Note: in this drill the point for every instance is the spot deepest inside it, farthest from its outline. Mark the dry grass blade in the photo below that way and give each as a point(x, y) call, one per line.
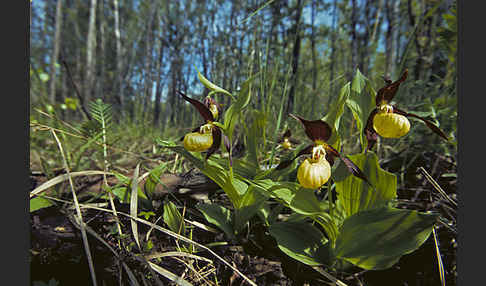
point(439, 259)
point(78, 212)
point(436, 186)
point(169, 275)
point(134, 204)
point(130, 274)
point(329, 276)
point(177, 253)
point(173, 234)
point(147, 236)
point(202, 226)
point(61, 178)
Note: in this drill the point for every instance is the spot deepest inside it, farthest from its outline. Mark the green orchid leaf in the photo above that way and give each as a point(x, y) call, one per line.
point(361, 103)
point(173, 218)
point(38, 203)
point(333, 117)
point(219, 216)
point(355, 195)
point(234, 188)
point(305, 202)
point(153, 180)
point(255, 137)
point(234, 110)
point(301, 241)
point(376, 239)
point(250, 204)
point(211, 86)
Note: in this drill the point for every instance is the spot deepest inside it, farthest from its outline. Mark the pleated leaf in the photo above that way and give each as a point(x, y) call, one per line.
point(301, 241)
point(376, 239)
point(356, 195)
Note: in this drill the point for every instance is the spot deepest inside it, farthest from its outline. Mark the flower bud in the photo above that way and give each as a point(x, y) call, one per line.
point(312, 174)
point(391, 125)
point(286, 144)
point(198, 142)
point(214, 110)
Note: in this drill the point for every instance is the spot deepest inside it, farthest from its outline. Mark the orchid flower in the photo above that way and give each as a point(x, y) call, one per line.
point(316, 170)
point(206, 136)
point(387, 120)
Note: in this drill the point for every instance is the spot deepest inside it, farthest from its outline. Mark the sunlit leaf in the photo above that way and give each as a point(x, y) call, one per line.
point(234, 110)
point(361, 102)
point(211, 86)
point(38, 203)
point(173, 218)
point(333, 116)
point(356, 195)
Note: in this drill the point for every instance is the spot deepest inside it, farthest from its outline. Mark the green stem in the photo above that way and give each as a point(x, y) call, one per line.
point(329, 198)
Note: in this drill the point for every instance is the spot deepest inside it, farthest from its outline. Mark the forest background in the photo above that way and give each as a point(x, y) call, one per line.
point(136, 55)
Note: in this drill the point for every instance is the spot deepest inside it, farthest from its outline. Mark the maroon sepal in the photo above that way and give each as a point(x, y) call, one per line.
point(355, 170)
point(203, 110)
point(370, 133)
point(387, 92)
point(216, 132)
point(285, 164)
point(429, 124)
point(287, 134)
point(315, 129)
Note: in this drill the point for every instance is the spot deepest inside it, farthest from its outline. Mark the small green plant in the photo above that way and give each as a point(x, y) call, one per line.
point(360, 226)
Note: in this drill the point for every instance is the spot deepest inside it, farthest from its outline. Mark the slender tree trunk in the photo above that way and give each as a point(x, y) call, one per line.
point(101, 77)
point(419, 49)
point(354, 39)
point(118, 90)
point(90, 53)
point(148, 82)
point(295, 59)
point(334, 35)
point(55, 53)
point(314, 57)
point(159, 80)
point(391, 8)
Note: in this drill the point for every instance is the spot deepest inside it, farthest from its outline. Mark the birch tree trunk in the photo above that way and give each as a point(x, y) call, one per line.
point(90, 53)
point(118, 90)
point(295, 58)
point(391, 9)
point(55, 53)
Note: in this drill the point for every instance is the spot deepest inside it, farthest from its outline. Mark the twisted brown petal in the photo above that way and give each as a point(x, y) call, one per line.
point(429, 124)
point(355, 170)
point(285, 164)
point(370, 133)
point(387, 92)
point(315, 129)
point(216, 132)
point(203, 110)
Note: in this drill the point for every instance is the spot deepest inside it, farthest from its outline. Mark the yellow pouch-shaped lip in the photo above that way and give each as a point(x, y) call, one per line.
point(198, 142)
point(391, 125)
point(313, 174)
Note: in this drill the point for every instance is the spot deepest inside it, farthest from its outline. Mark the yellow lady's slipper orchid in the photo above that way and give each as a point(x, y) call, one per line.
point(390, 125)
point(207, 136)
point(387, 120)
point(312, 174)
point(316, 170)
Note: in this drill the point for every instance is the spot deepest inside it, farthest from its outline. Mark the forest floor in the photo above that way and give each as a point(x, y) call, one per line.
point(57, 250)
